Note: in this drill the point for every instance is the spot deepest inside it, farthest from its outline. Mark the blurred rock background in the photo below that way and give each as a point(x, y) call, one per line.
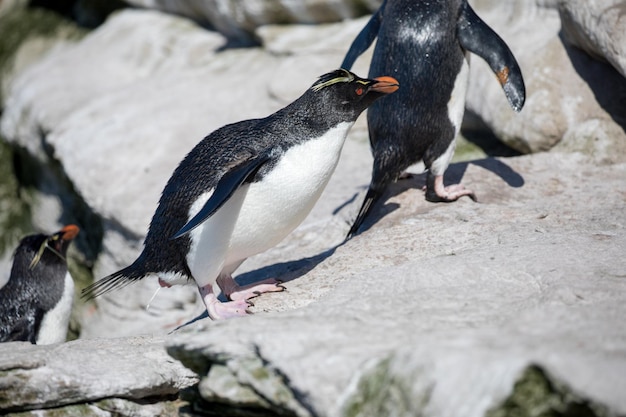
point(100, 101)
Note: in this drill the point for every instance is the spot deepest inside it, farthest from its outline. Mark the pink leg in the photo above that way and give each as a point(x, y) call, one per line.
point(218, 310)
point(436, 191)
point(234, 291)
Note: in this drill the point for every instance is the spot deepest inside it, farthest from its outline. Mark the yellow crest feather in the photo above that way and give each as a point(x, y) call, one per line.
point(345, 78)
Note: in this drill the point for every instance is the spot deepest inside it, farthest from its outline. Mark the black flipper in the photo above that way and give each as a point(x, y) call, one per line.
point(225, 188)
point(371, 198)
point(477, 37)
point(364, 39)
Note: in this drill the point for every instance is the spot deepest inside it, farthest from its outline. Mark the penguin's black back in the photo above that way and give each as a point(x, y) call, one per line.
point(417, 44)
point(30, 292)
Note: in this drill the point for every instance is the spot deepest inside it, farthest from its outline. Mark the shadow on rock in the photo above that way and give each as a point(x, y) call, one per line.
point(453, 175)
point(606, 83)
point(283, 271)
point(502, 170)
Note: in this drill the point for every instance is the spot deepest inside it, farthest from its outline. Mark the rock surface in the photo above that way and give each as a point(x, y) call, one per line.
point(449, 304)
point(132, 375)
point(238, 20)
point(427, 304)
point(566, 89)
point(597, 27)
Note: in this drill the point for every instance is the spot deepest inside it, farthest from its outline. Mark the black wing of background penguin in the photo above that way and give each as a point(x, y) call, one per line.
point(424, 45)
point(244, 188)
point(36, 301)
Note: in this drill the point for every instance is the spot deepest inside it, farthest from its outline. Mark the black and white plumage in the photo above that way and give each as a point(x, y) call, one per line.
point(245, 187)
point(424, 45)
point(36, 301)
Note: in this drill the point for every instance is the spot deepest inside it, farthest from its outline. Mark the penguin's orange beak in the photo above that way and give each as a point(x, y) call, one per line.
point(385, 85)
point(69, 232)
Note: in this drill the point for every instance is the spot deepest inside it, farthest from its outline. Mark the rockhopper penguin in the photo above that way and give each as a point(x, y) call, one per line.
point(424, 45)
point(243, 189)
point(36, 302)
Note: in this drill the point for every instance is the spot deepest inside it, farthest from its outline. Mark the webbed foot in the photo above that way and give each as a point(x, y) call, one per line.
point(436, 192)
point(218, 310)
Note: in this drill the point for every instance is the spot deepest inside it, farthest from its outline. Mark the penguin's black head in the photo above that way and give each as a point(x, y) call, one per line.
point(50, 246)
point(348, 93)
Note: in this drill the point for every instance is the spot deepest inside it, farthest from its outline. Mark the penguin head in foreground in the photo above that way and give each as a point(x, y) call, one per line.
point(49, 248)
point(349, 94)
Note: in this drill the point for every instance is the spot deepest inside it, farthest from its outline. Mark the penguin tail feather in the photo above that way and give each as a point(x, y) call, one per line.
point(115, 281)
point(371, 198)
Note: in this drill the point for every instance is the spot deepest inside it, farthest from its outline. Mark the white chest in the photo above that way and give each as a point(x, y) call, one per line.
point(258, 216)
point(276, 205)
point(53, 327)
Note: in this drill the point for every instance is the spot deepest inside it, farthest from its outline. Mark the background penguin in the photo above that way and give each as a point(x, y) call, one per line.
point(36, 302)
point(245, 187)
point(423, 44)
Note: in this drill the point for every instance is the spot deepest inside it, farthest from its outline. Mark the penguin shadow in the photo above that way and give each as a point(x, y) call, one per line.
point(453, 175)
point(286, 271)
point(282, 271)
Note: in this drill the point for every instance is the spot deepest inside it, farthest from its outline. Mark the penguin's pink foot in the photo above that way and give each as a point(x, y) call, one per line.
point(234, 291)
point(218, 310)
point(228, 310)
point(439, 193)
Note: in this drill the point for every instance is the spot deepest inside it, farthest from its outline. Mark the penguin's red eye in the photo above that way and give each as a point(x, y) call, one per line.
point(359, 91)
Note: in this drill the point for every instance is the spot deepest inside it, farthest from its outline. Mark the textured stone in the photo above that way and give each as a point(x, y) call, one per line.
point(454, 308)
point(84, 371)
point(427, 303)
point(238, 20)
point(566, 88)
point(597, 27)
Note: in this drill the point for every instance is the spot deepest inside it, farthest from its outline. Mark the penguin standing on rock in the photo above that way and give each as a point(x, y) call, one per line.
point(36, 302)
point(424, 45)
point(243, 189)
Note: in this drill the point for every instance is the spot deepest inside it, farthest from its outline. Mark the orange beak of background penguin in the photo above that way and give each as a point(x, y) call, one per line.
point(69, 232)
point(385, 85)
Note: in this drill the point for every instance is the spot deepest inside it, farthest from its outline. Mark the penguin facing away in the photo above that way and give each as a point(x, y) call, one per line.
point(244, 188)
point(36, 302)
point(425, 45)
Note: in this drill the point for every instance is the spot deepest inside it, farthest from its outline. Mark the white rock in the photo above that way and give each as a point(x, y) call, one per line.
point(565, 88)
point(530, 274)
point(84, 371)
point(237, 20)
point(461, 299)
point(596, 26)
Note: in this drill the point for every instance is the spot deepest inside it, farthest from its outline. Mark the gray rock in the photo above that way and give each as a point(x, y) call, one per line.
point(449, 314)
point(596, 27)
point(567, 91)
point(123, 372)
point(238, 20)
point(428, 303)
